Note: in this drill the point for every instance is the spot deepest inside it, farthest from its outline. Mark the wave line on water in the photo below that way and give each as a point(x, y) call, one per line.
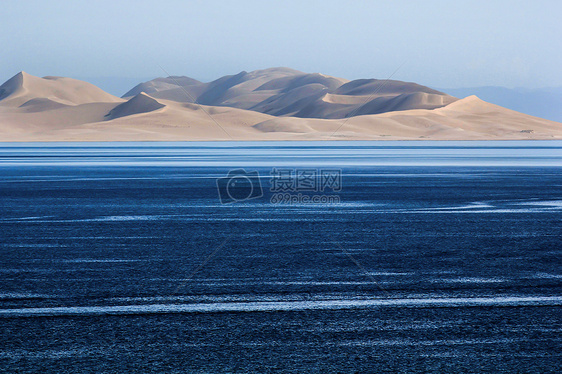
point(513, 301)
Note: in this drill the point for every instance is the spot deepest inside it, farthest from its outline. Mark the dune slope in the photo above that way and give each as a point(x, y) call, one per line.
point(141, 103)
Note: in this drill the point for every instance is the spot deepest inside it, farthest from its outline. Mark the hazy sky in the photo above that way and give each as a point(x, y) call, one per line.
point(443, 43)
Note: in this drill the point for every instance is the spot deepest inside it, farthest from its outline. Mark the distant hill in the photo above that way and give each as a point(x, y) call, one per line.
point(288, 92)
point(542, 102)
point(161, 84)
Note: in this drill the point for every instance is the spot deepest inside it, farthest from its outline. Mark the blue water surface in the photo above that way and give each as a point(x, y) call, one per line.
point(435, 257)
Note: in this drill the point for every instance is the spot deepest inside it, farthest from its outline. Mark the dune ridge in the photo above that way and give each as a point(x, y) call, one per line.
point(268, 104)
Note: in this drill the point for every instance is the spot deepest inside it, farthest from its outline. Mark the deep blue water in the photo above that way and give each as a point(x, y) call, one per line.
point(439, 257)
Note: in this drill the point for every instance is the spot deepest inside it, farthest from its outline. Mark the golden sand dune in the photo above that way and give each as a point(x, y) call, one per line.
point(285, 105)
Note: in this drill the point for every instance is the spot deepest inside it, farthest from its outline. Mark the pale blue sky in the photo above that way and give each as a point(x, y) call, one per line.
point(445, 43)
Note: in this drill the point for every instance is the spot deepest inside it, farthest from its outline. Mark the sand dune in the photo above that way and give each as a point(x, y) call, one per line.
point(364, 87)
point(276, 104)
point(141, 103)
point(287, 92)
point(185, 89)
point(162, 84)
point(24, 90)
point(253, 90)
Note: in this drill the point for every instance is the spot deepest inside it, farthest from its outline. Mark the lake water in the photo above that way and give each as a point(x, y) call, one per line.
point(419, 257)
